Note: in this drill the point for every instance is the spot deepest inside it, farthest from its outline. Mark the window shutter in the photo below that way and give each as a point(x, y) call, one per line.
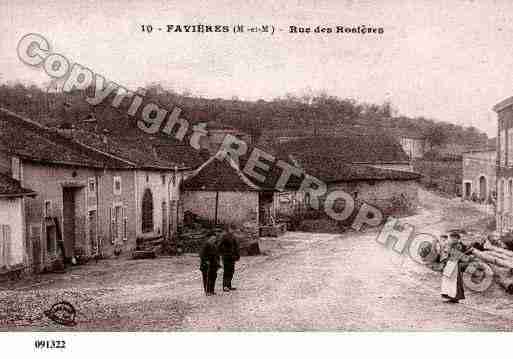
point(7, 236)
point(110, 224)
point(2, 247)
point(124, 224)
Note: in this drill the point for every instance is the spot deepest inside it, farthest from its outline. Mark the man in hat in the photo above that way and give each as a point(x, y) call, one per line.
point(209, 264)
point(230, 252)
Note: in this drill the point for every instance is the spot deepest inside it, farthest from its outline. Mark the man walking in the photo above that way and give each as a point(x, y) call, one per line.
point(229, 250)
point(209, 264)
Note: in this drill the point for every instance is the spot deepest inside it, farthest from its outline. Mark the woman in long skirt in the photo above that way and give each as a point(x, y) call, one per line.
point(452, 280)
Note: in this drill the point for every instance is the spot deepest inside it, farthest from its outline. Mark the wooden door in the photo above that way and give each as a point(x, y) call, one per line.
point(92, 232)
point(68, 220)
point(164, 219)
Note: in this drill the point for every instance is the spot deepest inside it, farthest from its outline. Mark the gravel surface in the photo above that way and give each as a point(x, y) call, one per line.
point(306, 281)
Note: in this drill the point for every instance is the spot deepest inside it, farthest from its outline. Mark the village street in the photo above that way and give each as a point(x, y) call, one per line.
point(305, 282)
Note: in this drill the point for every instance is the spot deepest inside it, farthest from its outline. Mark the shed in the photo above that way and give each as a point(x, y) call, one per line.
point(220, 192)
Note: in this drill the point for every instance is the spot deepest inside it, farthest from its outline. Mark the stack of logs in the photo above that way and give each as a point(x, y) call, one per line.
point(500, 261)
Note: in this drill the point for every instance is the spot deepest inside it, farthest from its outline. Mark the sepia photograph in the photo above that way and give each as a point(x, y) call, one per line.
point(188, 167)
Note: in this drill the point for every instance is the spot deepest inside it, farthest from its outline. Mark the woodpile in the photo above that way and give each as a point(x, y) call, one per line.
point(148, 247)
point(501, 262)
point(248, 236)
point(196, 231)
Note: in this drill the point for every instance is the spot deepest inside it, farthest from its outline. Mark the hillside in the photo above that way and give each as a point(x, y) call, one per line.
point(283, 117)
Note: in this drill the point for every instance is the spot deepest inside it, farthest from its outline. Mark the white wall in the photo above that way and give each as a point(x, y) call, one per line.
point(233, 207)
point(160, 191)
point(11, 214)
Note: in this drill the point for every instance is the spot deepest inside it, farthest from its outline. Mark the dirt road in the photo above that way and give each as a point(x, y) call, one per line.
point(307, 282)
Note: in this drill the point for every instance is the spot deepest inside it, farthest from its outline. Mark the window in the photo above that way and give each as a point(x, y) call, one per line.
point(307, 200)
point(51, 239)
point(510, 147)
point(5, 246)
point(92, 186)
point(147, 211)
point(16, 168)
point(502, 149)
point(117, 186)
point(510, 196)
point(48, 209)
point(118, 227)
point(501, 196)
point(163, 179)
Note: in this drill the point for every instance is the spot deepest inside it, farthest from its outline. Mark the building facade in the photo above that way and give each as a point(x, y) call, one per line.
point(12, 225)
point(479, 175)
point(94, 197)
point(504, 163)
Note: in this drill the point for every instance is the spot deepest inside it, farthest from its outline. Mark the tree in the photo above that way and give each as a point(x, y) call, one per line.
point(437, 135)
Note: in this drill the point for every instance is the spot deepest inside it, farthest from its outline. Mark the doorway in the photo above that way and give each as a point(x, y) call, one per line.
point(482, 188)
point(164, 220)
point(468, 190)
point(69, 220)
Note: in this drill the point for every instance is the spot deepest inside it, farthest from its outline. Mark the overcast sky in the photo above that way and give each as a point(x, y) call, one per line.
point(450, 60)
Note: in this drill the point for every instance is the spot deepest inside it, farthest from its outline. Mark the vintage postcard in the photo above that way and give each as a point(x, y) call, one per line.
point(255, 166)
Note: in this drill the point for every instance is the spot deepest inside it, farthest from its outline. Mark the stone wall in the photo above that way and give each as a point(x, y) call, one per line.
point(233, 207)
point(386, 195)
point(479, 167)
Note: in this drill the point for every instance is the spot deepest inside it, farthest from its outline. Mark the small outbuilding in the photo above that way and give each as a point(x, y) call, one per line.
point(12, 225)
point(221, 193)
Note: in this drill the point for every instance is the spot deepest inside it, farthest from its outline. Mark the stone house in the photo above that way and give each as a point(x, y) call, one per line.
point(12, 224)
point(373, 169)
point(384, 188)
point(95, 193)
point(504, 163)
point(415, 146)
point(376, 150)
point(479, 174)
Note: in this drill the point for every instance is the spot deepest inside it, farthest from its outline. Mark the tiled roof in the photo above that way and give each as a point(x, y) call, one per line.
point(28, 140)
point(181, 155)
point(224, 175)
point(10, 187)
point(330, 169)
point(363, 149)
point(219, 174)
point(145, 151)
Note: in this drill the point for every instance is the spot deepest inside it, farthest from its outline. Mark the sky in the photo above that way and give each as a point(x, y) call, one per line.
point(447, 60)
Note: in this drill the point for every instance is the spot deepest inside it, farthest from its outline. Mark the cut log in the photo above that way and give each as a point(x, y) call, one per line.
point(499, 270)
point(503, 251)
point(490, 259)
point(144, 255)
point(505, 282)
point(499, 255)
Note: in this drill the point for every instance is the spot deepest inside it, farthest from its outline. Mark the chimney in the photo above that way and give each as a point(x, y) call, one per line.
point(66, 130)
point(104, 136)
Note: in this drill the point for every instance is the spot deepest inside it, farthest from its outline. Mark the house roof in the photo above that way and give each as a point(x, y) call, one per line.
point(218, 125)
point(182, 155)
point(503, 104)
point(30, 140)
point(479, 150)
point(361, 149)
point(330, 169)
point(144, 151)
point(219, 173)
point(10, 187)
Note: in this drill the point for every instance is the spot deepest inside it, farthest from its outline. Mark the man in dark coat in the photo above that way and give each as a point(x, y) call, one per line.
point(209, 264)
point(230, 252)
